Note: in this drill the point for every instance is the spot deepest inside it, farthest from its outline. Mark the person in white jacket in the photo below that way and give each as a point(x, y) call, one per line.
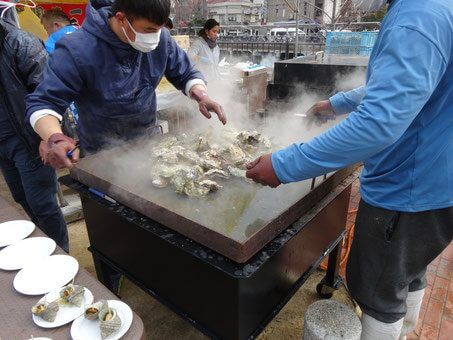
point(205, 52)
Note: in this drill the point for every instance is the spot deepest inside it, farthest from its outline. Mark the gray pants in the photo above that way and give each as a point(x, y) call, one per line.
point(389, 256)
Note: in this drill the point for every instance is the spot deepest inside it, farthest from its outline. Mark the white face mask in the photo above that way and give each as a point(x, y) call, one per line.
point(144, 42)
point(368, 5)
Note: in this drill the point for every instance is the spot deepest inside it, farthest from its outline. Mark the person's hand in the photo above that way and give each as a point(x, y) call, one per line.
point(262, 171)
point(322, 110)
point(56, 151)
point(206, 105)
point(43, 150)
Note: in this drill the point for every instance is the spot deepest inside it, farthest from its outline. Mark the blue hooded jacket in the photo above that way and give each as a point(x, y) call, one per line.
point(401, 123)
point(112, 84)
point(54, 37)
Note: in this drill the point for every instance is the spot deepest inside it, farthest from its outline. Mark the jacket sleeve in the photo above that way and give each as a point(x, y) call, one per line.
point(180, 71)
point(30, 59)
point(194, 49)
point(406, 70)
point(346, 102)
point(61, 83)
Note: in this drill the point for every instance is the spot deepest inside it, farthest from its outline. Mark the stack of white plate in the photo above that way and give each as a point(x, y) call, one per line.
point(40, 273)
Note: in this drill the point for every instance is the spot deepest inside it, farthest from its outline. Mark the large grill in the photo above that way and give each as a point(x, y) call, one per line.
point(227, 262)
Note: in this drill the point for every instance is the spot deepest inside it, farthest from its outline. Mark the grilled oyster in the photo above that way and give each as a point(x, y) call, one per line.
point(253, 138)
point(201, 144)
point(92, 311)
point(249, 137)
point(235, 155)
point(190, 156)
point(164, 171)
point(236, 172)
point(186, 175)
point(167, 143)
point(195, 190)
point(160, 182)
point(217, 173)
point(211, 185)
point(46, 311)
point(73, 294)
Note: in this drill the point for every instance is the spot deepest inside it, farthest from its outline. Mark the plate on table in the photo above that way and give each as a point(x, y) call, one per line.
point(46, 274)
point(18, 254)
point(13, 231)
point(66, 312)
point(84, 329)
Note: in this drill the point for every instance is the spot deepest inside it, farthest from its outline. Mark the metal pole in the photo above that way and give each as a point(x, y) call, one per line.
point(296, 46)
point(334, 9)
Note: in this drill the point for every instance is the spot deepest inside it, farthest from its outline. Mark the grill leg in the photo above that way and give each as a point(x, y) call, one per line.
point(332, 280)
point(107, 275)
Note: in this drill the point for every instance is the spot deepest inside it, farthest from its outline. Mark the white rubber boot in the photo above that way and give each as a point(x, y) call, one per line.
point(413, 302)
point(373, 329)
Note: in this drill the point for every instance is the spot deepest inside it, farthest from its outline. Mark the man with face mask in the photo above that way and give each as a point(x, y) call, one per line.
point(401, 126)
point(110, 68)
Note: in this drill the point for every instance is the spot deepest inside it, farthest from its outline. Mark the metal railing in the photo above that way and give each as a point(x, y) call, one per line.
point(283, 50)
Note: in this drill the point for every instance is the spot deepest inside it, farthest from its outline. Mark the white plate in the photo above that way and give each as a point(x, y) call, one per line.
point(13, 231)
point(17, 255)
point(40, 338)
point(84, 329)
point(66, 313)
point(46, 274)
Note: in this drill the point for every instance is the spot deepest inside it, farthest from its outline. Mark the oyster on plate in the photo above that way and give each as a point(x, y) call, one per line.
point(46, 311)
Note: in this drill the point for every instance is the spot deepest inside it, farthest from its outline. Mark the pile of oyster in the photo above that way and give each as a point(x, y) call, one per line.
point(193, 165)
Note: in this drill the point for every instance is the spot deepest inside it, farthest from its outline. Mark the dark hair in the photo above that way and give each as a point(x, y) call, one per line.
point(156, 11)
point(169, 24)
point(208, 25)
point(56, 14)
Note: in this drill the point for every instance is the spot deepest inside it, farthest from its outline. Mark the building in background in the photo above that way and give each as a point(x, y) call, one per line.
point(235, 12)
point(278, 10)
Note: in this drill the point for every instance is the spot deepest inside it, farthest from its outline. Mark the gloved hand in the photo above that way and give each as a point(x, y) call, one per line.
point(206, 104)
point(55, 151)
point(322, 110)
point(262, 171)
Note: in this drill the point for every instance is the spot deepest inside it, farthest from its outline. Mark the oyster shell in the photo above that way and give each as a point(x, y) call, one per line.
point(73, 294)
point(110, 322)
point(195, 190)
point(190, 156)
point(211, 185)
point(46, 311)
point(92, 311)
point(236, 172)
point(235, 154)
point(167, 143)
point(217, 173)
point(249, 137)
point(160, 182)
point(253, 138)
point(201, 144)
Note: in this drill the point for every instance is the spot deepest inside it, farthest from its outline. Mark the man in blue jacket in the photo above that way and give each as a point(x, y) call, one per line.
point(401, 126)
point(57, 25)
point(110, 68)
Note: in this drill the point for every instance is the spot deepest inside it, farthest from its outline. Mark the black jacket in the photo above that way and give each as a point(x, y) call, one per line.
point(22, 60)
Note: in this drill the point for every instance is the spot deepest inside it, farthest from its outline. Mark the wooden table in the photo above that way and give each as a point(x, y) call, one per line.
point(15, 315)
